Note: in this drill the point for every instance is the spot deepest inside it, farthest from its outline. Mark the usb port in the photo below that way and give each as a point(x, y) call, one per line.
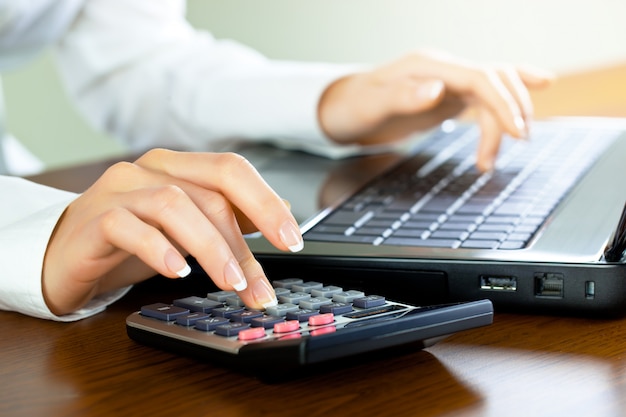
point(491, 283)
point(549, 285)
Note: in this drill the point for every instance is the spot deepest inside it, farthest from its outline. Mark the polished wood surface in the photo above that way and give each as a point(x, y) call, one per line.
point(522, 365)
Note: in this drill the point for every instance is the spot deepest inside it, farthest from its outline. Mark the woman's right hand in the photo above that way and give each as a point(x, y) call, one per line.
point(143, 218)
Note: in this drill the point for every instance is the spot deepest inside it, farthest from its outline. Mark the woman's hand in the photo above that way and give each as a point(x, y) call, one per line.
point(420, 91)
point(142, 218)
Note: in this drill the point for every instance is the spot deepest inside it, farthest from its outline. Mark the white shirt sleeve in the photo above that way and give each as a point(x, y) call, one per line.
point(28, 214)
point(139, 71)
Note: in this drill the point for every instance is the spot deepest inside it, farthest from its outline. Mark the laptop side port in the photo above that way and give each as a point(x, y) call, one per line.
point(549, 285)
point(495, 283)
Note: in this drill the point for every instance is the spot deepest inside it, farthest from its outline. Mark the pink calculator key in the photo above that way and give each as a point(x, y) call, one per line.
point(323, 330)
point(252, 333)
point(321, 319)
point(287, 326)
point(290, 336)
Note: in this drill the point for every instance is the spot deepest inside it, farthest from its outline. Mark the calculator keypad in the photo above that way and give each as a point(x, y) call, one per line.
point(309, 308)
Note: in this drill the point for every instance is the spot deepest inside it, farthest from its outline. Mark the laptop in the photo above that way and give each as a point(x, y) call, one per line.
point(422, 225)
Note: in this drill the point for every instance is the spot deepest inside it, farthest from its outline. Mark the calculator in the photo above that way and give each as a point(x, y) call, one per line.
point(313, 323)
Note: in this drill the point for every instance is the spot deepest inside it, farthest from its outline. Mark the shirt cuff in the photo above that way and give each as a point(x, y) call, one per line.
point(23, 244)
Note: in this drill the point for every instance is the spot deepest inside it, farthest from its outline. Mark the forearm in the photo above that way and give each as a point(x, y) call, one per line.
point(140, 71)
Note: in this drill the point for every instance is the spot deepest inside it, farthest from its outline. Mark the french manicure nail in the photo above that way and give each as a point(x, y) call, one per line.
point(234, 276)
point(176, 263)
point(264, 294)
point(429, 91)
point(520, 124)
point(292, 238)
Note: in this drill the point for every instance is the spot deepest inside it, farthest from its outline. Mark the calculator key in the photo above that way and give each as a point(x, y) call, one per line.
point(294, 297)
point(162, 311)
point(323, 330)
point(235, 300)
point(336, 308)
point(314, 303)
point(348, 296)
point(267, 322)
point(290, 336)
point(286, 283)
point(227, 311)
point(200, 304)
point(321, 319)
point(327, 291)
point(281, 309)
point(301, 314)
point(210, 324)
point(231, 328)
point(252, 333)
point(278, 291)
point(246, 316)
point(306, 286)
point(287, 326)
point(220, 296)
point(369, 301)
point(191, 318)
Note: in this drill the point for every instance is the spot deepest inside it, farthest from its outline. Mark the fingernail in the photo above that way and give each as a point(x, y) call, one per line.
point(429, 90)
point(176, 263)
point(264, 294)
point(520, 124)
point(292, 238)
point(234, 276)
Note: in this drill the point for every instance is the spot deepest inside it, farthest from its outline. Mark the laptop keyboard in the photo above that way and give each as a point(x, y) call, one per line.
point(437, 198)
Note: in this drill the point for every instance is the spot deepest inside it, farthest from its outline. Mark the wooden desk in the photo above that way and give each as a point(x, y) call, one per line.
point(520, 366)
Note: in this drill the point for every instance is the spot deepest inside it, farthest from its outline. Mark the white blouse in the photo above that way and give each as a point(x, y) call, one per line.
point(138, 70)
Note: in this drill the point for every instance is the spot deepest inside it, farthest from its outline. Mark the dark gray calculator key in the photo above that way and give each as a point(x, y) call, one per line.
point(327, 291)
point(246, 316)
point(220, 296)
point(231, 329)
point(208, 325)
point(281, 309)
point(286, 283)
point(336, 308)
point(306, 286)
point(191, 318)
point(301, 314)
point(314, 303)
point(162, 311)
point(200, 304)
point(266, 321)
point(235, 300)
point(294, 297)
point(347, 296)
point(369, 301)
point(226, 311)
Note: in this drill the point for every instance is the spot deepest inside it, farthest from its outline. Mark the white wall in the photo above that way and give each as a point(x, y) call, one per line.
point(559, 35)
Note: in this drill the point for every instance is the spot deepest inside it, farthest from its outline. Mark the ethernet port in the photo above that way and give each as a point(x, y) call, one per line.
point(549, 285)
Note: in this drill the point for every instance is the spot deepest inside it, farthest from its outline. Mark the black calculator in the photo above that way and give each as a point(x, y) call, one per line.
point(313, 323)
